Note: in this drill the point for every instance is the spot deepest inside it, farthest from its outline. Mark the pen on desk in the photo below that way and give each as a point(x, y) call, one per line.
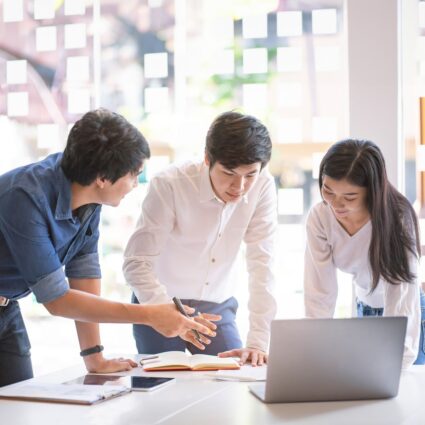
point(180, 308)
point(153, 356)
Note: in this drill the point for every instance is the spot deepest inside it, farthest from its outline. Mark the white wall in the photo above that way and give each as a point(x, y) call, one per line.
point(374, 77)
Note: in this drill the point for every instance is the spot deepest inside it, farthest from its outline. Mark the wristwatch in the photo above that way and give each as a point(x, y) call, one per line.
point(91, 350)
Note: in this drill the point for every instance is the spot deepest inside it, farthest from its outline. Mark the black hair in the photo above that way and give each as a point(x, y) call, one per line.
point(103, 144)
point(234, 139)
point(394, 222)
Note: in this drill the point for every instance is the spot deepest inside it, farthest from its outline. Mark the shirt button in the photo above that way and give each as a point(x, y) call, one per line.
point(213, 260)
point(207, 283)
point(219, 235)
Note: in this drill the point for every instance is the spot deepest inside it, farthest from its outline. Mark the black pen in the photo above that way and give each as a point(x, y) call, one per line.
point(180, 308)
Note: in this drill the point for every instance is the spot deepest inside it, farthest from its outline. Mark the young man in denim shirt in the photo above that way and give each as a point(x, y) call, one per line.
point(49, 231)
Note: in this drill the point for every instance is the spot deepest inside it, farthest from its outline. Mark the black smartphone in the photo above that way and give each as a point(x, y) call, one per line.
point(136, 383)
point(148, 383)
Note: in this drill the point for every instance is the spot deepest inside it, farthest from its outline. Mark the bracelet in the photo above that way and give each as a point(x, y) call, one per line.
point(91, 350)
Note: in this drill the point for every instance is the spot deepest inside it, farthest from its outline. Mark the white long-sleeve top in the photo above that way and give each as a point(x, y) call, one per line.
point(187, 240)
point(330, 247)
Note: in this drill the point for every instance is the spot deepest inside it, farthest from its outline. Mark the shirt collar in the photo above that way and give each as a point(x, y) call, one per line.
point(63, 206)
point(206, 191)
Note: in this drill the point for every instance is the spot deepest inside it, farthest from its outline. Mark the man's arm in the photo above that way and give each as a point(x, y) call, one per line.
point(85, 307)
point(89, 335)
point(155, 224)
point(259, 239)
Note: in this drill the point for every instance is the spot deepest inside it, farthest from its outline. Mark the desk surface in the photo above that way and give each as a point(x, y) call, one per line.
point(197, 399)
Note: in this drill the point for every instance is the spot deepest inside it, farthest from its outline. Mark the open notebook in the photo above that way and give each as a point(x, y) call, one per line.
point(178, 360)
point(60, 393)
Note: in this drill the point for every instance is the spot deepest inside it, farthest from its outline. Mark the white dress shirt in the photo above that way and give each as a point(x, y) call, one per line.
point(187, 241)
point(330, 247)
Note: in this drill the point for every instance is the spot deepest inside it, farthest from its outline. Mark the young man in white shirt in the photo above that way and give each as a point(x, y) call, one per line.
point(194, 219)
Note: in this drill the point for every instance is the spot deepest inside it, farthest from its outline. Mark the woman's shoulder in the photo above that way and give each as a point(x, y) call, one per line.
point(319, 216)
point(319, 211)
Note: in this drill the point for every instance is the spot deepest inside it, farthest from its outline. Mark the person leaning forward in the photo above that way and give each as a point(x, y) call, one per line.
point(49, 231)
point(194, 219)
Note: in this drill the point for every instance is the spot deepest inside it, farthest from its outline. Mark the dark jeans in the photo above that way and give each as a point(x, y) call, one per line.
point(149, 341)
point(15, 356)
point(366, 310)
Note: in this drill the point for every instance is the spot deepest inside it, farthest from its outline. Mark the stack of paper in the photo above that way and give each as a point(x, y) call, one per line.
point(245, 374)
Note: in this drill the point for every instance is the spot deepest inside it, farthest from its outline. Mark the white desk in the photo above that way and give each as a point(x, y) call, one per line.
point(198, 400)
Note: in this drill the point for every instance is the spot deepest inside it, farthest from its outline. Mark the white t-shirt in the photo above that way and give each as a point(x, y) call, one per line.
point(330, 247)
point(187, 241)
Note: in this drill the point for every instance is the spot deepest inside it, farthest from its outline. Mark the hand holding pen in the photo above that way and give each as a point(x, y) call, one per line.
point(193, 336)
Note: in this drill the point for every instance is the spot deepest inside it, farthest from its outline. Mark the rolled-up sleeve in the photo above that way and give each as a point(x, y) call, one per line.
point(27, 235)
point(50, 287)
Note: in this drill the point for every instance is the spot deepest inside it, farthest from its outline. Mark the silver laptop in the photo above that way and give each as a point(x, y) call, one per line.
point(333, 359)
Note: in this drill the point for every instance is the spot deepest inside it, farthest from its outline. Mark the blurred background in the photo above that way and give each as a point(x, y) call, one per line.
point(171, 66)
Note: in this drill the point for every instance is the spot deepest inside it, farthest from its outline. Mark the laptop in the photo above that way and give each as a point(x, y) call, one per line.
point(333, 359)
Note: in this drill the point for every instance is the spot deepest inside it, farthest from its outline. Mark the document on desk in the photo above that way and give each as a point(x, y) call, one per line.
point(246, 373)
point(59, 393)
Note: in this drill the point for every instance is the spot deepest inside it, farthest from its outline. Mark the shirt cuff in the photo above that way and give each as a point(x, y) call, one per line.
point(50, 287)
point(258, 340)
point(84, 267)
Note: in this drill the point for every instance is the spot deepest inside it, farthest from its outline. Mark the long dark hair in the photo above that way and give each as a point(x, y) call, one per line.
point(394, 223)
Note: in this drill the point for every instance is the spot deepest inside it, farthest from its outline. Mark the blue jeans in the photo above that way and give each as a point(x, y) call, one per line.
point(149, 341)
point(15, 357)
point(366, 310)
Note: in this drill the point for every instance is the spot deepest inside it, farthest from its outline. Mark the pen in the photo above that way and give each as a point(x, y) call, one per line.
point(180, 308)
point(153, 356)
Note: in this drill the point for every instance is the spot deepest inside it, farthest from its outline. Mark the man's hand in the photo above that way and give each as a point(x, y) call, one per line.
point(247, 355)
point(168, 321)
point(206, 319)
point(96, 363)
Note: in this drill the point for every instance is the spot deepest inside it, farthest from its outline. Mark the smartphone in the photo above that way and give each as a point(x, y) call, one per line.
point(149, 383)
point(136, 383)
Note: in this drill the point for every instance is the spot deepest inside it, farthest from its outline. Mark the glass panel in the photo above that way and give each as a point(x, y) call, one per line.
point(74, 7)
point(16, 72)
point(255, 61)
point(13, 10)
point(17, 104)
point(156, 65)
point(45, 39)
point(75, 36)
point(289, 24)
point(254, 26)
point(44, 9)
point(324, 21)
point(77, 69)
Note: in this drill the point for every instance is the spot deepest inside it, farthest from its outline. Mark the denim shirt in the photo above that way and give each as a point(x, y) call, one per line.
point(41, 243)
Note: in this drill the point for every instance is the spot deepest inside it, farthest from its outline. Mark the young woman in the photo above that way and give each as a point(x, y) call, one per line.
point(364, 227)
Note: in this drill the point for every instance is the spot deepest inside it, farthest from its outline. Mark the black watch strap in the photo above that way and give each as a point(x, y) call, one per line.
point(91, 350)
